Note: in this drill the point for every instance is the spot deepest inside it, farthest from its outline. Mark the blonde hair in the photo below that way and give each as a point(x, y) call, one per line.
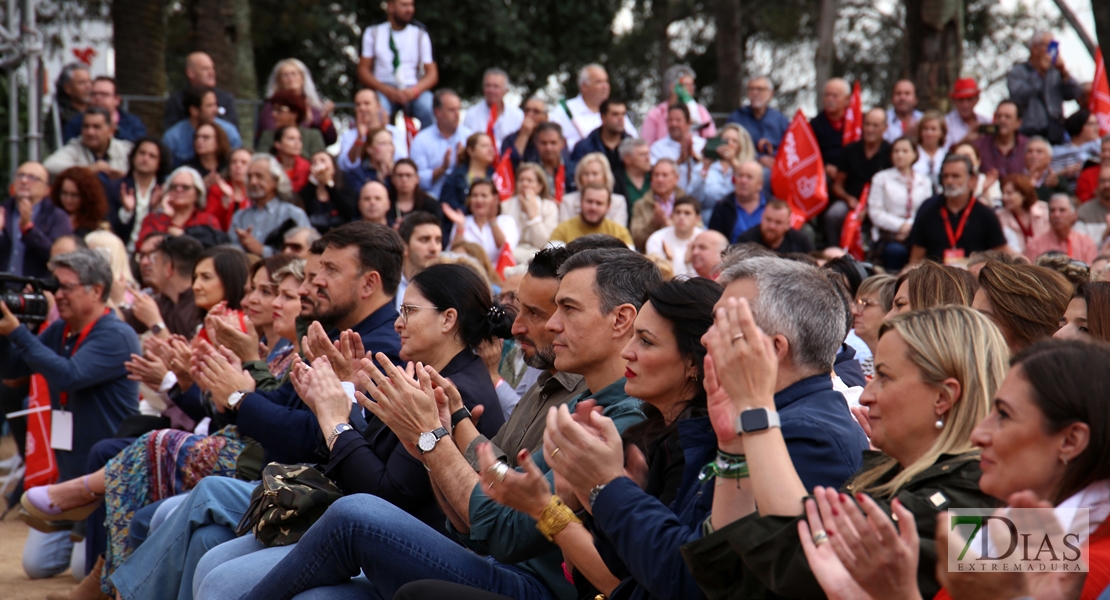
point(747, 147)
point(946, 342)
point(533, 168)
point(606, 169)
point(112, 248)
point(311, 96)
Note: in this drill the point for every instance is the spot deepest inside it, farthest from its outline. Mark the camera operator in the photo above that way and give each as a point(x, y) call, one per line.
point(28, 226)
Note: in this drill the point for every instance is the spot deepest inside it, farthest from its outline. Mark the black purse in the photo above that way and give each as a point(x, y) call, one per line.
point(287, 502)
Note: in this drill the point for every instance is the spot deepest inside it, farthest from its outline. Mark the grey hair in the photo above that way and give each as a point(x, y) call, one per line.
point(294, 268)
point(311, 96)
point(841, 82)
point(1038, 37)
point(584, 73)
point(766, 78)
point(960, 158)
point(672, 75)
point(284, 186)
point(495, 71)
point(1072, 200)
point(1040, 140)
point(815, 327)
point(313, 235)
point(622, 277)
point(630, 144)
point(91, 267)
point(196, 180)
point(66, 74)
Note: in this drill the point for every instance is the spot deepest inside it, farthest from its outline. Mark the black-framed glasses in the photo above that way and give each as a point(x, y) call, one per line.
point(408, 309)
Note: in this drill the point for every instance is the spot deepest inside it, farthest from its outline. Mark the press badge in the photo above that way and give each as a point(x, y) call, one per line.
point(61, 430)
point(955, 257)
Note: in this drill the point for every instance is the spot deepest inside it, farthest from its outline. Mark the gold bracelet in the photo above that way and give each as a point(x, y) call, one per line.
point(555, 518)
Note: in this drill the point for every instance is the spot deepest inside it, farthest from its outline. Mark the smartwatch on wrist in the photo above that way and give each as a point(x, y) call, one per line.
point(755, 420)
point(458, 416)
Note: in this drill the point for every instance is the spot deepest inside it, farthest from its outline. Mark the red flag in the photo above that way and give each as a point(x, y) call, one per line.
point(410, 131)
point(560, 182)
point(41, 466)
point(503, 176)
point(798, 176)
point(1100, 96)
point(490, 124)
point(851, 237)
point(505, 260)
point(853, 119)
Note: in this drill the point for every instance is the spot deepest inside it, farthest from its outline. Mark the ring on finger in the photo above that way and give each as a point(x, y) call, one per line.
point(820, 538)
point(554, 452)
point(500, 469)
point(738, 336)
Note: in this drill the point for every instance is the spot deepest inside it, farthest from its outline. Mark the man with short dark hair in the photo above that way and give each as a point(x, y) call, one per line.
point(1003, 153)
point(607, 138)
point(200, 70)
point(774, 231)
point(593, 219)
point(902, 116)
point(104, 94)
point(201, 104)
point(80, 358)
point(950, 226)
point(679, 145)
point(554, 159)
point(29, 226)
point(520, 143)
point(96, 147)
point(166, 263)
point(435, 150)
point(423, 237)
point(671, 242)
point(394, 54)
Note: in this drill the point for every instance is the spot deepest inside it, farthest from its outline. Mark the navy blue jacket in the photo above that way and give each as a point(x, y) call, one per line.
point(531, 154)
point(100, 395)
point(281, 422)
point(847, 367)
point(376, 462)
point(50, 224)
point(593, 143)
point(112, 189)
point(457, 187)
point(130, 128)
point(825, 445)
point(725, 213)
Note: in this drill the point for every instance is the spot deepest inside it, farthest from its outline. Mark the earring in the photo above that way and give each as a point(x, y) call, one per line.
point(1065, 460)
point(694, 378)
point(940, 423)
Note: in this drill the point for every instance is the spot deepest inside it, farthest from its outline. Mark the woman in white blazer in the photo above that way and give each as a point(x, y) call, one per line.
point(892, 203)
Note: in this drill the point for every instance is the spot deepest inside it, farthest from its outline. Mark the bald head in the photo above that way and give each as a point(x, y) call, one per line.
point(200, 70)
point(373, 202)
point(704, 253)
point(748, 181)
point(874, 125)
point(835, 99)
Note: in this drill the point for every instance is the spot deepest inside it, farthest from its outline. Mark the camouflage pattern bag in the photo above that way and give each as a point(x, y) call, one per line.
point(287, 502)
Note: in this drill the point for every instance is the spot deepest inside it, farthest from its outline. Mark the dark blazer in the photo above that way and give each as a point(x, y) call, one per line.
point(762, 557)
point(341, 207)
point(176, 111)
point(50, 224)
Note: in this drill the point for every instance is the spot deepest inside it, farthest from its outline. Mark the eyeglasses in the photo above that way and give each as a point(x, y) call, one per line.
point(180, 187)
point(141, 256)
point(407, 309)
point(69, 288)
point(293, 247)
point(864, 303)
point(28, 177)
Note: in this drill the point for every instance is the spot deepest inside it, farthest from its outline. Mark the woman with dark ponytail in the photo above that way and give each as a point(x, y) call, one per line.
point(446, 313)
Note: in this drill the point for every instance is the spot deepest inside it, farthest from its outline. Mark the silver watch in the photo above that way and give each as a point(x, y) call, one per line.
point(235, 398)
point(429, 439)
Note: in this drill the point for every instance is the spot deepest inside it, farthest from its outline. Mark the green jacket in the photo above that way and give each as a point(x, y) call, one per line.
point(762, 557)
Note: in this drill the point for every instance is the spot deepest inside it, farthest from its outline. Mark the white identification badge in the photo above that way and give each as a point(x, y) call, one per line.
point(61, 430)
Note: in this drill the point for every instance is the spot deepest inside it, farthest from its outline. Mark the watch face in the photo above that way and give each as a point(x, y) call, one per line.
point(426, 442)
point(753, 420)
point(234, 399)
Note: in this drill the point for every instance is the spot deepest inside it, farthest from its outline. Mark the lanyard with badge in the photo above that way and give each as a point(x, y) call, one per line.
point(61, 421)
point(952, 254)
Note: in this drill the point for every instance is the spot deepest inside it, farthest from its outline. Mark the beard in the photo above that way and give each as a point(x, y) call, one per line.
point(543, 359)
point(592, 223)
point(955, 191)
point(335, 312)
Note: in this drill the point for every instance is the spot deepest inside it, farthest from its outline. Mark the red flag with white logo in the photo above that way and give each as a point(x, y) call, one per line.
point(42, 469)
point(1100, 96)
point(505, 260)
point(798, 176)
point(851, 236)
point(503, 176)
point(853, 119)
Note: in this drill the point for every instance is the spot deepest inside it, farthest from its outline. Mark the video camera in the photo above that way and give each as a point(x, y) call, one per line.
point(29, 307)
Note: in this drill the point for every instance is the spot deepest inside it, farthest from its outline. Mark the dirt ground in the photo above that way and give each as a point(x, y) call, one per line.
point(14, 584)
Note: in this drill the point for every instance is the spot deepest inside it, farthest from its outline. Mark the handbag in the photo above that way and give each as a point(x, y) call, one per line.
point(287, 502)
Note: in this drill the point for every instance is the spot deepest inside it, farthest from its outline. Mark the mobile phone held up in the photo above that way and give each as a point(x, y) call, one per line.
point(1054, 51)
point(988, 129)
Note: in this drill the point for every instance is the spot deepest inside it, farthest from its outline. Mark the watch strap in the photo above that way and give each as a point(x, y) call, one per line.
point(594, 492)
point(458, 416)
point(336, 432)
point(438, 433)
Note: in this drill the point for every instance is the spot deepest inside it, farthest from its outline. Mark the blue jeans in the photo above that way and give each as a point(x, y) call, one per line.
point(46, 554)
point(365, 533)
point(163, 566)
point(421, 108)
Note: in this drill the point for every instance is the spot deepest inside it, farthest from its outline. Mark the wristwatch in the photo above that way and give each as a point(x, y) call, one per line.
point(458, 416)
point(754, 420)
point(429, 439)
point(594, 492)
point(157, 328)
point(235, 398)
point(335, 433)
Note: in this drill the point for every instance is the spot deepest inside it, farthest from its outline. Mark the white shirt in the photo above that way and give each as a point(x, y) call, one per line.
point(585, 121)
point(400, 145)
point(957, 129)
point(477, 119)
point(894, 125)
point(483, 236)
point(888, 204)
point(654, 246)
point(413, 44)
point(929, 166)
point(428, 149)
